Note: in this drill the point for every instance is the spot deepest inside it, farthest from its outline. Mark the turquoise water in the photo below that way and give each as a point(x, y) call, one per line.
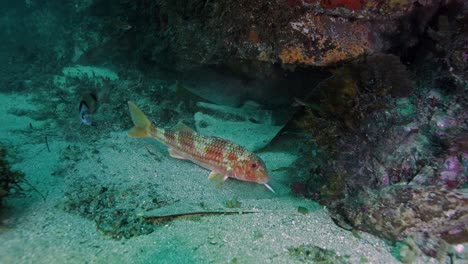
point(367, 158)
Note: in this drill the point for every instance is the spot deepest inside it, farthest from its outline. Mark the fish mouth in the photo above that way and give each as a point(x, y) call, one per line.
point(264, 178)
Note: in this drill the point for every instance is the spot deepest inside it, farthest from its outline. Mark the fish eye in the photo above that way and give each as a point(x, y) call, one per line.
point(254, 165)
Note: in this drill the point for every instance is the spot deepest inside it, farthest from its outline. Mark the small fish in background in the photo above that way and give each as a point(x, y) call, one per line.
point(223, 158)
point(88, 106)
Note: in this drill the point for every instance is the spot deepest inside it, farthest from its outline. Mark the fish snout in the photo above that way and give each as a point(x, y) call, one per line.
point(262, 176)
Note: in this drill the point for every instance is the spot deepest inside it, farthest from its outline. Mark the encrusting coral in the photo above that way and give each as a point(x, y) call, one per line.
point(432, 217)
point(392, 154)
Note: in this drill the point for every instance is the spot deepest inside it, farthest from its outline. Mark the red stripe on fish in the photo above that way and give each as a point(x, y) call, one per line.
point(169, 136)
point(232, 156)
point(214, 153)
point(186, 140)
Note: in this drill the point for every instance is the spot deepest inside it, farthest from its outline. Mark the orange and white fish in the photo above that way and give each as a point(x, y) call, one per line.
point(224, 158)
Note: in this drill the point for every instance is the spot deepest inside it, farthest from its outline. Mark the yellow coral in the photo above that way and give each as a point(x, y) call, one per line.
point(295, 55)
point(333, 56)
point(337, 55)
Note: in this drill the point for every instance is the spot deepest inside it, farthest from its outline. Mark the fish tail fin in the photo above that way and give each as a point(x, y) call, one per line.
point(143, 125)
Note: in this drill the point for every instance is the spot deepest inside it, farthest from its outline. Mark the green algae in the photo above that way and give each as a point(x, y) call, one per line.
point(233, 203)
point(303, 210)
point(314, 254)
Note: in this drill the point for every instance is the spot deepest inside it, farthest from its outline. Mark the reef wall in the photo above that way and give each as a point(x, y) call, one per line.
point(290, 32)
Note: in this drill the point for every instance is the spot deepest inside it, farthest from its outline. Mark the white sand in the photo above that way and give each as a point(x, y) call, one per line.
point(37, 231)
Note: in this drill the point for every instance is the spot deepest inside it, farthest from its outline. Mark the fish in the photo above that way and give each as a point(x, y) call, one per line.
point(225, 159)
point(88, 106)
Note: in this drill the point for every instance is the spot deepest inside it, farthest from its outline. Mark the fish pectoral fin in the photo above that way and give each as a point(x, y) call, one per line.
point(175, 154)
point(230, 173)
point(217, 177)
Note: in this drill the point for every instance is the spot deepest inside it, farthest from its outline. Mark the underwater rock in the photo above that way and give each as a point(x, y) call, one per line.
point(250, 125)
point(250, 111)
point(453, 174)
point(315, 33)
point(372, 137)
point(80, 71)
point(184, 35)
point(449, 35)
point(450, 143)
point(427, 214)
point(415, 246)
point(314, 254)
point(364, 127)
point(414, 147)
point(358, 90)
point(9, 179)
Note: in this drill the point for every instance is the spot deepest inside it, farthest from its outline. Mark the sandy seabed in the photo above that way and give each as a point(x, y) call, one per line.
point(35, 230)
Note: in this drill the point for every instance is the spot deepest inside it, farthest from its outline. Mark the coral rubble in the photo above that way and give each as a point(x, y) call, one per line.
point(100, 205)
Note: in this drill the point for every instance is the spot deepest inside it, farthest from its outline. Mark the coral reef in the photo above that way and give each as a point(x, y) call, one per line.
point(449, 35)
point(396, 212)
point(429, 217)
point(393, 152)
point(353, 94)
point(397, 140)
point(415, 165)
point(313, 33)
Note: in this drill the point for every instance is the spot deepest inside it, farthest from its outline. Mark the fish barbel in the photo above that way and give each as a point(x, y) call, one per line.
point(222, 157)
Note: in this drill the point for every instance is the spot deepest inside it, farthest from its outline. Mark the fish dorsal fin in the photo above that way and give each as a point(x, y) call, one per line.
point(183, 127)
